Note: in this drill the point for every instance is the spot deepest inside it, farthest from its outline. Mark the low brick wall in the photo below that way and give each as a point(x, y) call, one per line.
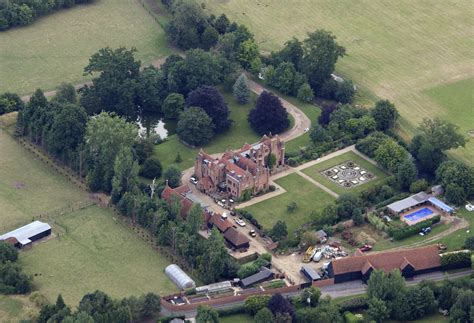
point(322, 283)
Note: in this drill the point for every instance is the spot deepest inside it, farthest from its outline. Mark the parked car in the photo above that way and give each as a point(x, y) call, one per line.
point(224, 216)
point(240, 222)
point(425, 231)
point(193, 180)
point(469, 207)
point(220, 203)
point(365, 248)
point(252, 233)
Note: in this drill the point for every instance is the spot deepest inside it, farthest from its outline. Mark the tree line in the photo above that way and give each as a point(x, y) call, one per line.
point(100, 307)
point(12, 278)
point(15, 13)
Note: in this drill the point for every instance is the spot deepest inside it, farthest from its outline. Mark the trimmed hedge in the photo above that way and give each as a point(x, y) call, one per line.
point(407, 231)
point(354, 304)
point(240, 309)
point(395, 198)
point(456, 260)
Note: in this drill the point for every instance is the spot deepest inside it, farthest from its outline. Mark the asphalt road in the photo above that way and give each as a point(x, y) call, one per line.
point(343, 289)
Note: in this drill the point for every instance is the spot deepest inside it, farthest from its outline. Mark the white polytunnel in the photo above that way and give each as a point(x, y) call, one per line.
point(179, 277)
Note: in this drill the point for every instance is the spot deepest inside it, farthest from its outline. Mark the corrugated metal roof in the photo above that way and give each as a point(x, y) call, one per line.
point(24, 233)
point(408, 202)
point(313, 275)
point(441, 204)
point(262, 275)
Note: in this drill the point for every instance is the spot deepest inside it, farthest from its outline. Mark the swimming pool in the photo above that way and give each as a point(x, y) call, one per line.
point(419, 214)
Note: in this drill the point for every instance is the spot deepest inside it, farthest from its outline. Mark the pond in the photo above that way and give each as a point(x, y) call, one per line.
point(155, 124)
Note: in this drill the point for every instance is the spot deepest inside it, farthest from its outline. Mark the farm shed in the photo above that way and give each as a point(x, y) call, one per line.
point(236, 239)
point(408, 203)
point(25, 235)
point(310, 273)
point(263, 275)
point(179, 277)
point(440, 205)
point(410, 262)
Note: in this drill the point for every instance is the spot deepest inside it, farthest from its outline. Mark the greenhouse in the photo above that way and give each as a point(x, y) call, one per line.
point(179, 277)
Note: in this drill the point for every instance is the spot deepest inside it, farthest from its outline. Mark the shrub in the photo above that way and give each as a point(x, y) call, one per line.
point(272, 188)
point(231, 311)
point(253, 304)
point(418, 186)
point(354, 304)
point(460, 259)
point(151, 168)
point(267, 257)
point(406, 231)
point(377, 222)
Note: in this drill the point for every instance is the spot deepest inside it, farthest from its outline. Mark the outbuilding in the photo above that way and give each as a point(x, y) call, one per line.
point(263, 275)
point(25, 235)
point(235, 239)
point(179, 277)
point(310, 273)
point(322, 236)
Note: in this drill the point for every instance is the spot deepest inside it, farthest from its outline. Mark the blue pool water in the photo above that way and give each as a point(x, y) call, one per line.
point(420, 214)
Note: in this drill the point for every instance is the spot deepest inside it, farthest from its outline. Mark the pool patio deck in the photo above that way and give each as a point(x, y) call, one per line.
point(432, 215)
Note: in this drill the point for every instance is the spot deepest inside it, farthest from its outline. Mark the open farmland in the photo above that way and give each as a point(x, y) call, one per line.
point(56, 47)
point(29, 187)
point(306, 195)
point(95, 251)
point(396, 49)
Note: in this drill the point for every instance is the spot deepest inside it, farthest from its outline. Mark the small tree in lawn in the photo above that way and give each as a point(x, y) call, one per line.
point(173, 175)
point(241, 89)
point(178, 158)
point(269, 115)
point(290, 208)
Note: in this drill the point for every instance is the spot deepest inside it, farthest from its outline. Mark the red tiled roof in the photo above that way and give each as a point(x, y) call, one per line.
point(232, 167)
point(246, 163)
point(419, 258)
point(235, 237)
point(221, 224)
point(186, 204)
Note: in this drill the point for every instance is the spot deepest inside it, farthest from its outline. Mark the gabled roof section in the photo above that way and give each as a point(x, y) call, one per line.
point(419, 258)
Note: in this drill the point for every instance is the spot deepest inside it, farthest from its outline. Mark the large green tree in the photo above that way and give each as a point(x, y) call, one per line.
point(390, 155)
point(214, 260)
point(269, 115)
point(125, 174)
point(442, 134)
point(116, 87)
point(385, 115)
point(106, 135)
point(321, 52)
point(206, 314)
point(195, 127)
point(173, 105)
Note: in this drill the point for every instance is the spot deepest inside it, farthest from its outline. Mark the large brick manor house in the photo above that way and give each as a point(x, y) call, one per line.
point(236, 172)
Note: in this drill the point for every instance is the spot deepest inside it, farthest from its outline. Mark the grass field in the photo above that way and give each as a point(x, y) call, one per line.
point(396, 49)
point(238, 134)
point(314, 170)
point(57, 47)
point(307, 196)
point(28, 187)
point(15, 309)
point(238, 318)
point(458, 100)
point(96, 252)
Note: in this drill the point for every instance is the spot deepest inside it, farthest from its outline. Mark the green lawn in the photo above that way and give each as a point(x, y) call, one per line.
point(307, 196)
point(314, 172)
point(14, 309)
point(28, 187)
point(238, 134)
point(458, 100)
point(57, 47)
point(95, 251)
point(395, 49)
point(237, 318)
point(456, 239)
